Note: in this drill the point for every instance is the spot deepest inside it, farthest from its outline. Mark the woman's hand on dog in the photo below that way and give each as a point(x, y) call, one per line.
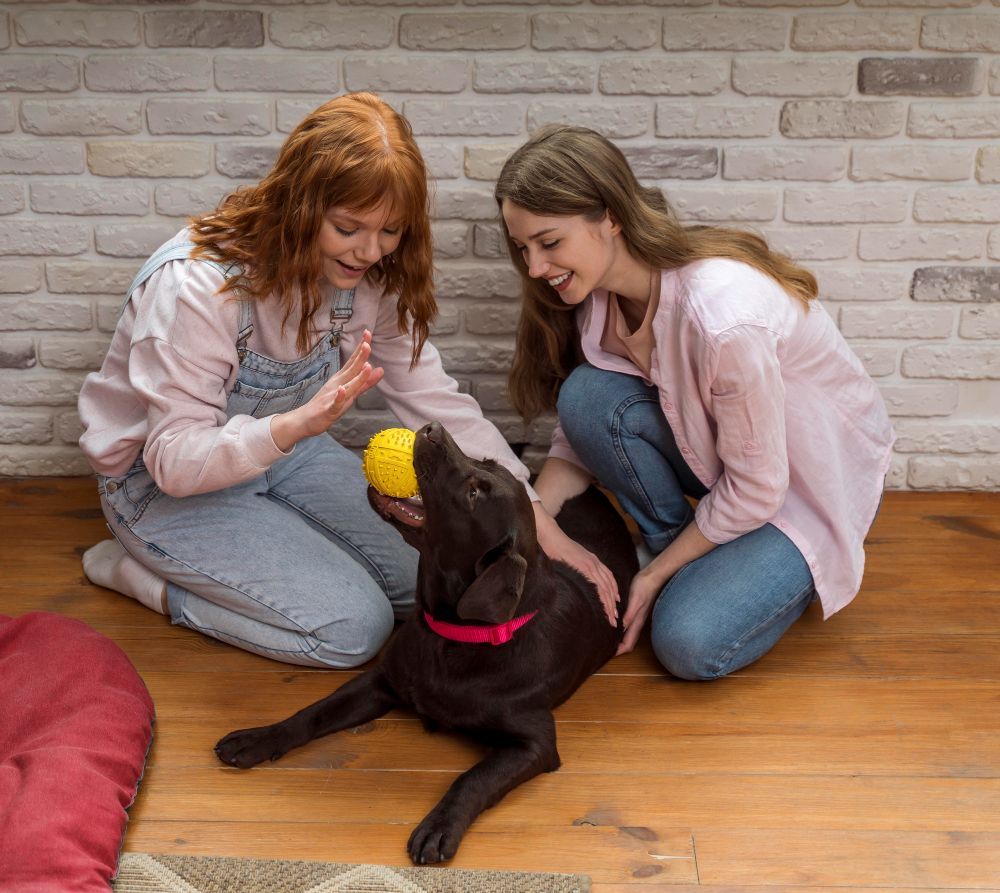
point(560, 547)
point(355, 377)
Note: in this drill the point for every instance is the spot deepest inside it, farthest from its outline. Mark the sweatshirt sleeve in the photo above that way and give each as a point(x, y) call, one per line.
point(427, 393)
point(181, 365)
point(747, 402)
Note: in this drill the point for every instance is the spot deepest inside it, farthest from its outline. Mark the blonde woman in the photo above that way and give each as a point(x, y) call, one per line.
point(241, 341)
point(690, 364)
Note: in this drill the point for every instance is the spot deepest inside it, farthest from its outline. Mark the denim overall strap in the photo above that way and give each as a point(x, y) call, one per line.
point(340, 312)
point(164, 254)
point(245, 329)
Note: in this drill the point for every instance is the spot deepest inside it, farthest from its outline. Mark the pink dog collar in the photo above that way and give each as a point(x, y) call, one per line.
point(480, 635)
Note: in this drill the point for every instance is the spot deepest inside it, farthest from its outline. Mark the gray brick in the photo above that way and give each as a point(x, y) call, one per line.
point(61, 352)
point(451, 239)
point(443, 159)
point(8, 120)
point(713, 119)
point(954, 120)
point(447, 323)
point(81, 117)
point(617, 120)
point(463, 31)
point(407, 74)
point(25, 426)
point(980, 322)
point(331, 29)
point(723, 204)
point(950, 473)
point(216, 116)
point(855, 31)
point(488, 241)
point(483, 162)
point(43, 314)
point(922, 400)
point(920, 77)
point(481, 357)
point(664, 77)
point(19, 276)
point(877, 243)
point(832, 119)
point(957, 204)
point(533, 75)
point(135, 159)
point(291, 111)
point(813, 242)
point(877, 204)
point(938, 437)
point(251, 160)
point(979, 284)
point(148, 73)
point(67, 426)
point(701, 31)
point(204, 28)
point(60, 197)
point(185, 199)
point(988, 164)
point(467, 202)
point(898, 322)
point(793, 76)
point(31, 237)
point(11, 198)
point(784, 162)
point(132, 239)
point(406, 2)
point(878, 360)
point(76, 28)
point(962, 33)
point(475, 280)
point(492, 319)
point(951, 361)
point(594, 31)
point(463, 117)
point(84, 277)
point(39, 387)
point(276, 73)
point(40, 157)
point(17, 352)
point(106, 313)
point(44, 461)
point(861, 283)
point(38, 72)
point(995, 77)
point(661, 161)
point(492, 396)
point(4, 31)
point(916, 163)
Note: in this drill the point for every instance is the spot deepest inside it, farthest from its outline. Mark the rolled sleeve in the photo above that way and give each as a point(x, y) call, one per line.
point(747, 402)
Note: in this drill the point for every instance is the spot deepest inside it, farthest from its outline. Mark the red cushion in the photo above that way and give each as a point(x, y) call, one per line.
point(76, 722)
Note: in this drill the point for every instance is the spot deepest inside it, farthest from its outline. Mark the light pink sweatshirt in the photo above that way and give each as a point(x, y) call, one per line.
point(172, 364)
point(771, 410)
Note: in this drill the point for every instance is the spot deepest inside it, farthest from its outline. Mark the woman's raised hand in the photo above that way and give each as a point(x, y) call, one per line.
point(355, 377)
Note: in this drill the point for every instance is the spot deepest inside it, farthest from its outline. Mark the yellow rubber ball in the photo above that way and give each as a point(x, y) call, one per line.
point(388, 463)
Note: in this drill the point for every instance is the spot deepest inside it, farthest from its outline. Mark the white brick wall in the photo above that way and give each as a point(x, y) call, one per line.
point(860, 136)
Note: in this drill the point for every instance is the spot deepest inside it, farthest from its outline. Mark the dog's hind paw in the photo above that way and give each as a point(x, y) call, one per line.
point(248, 747)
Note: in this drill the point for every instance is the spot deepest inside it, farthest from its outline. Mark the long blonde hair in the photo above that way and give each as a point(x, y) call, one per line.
point(565, 170)
point(354, 152)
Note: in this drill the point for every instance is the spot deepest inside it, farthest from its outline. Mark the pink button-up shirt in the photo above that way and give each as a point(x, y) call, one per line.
point(771, 410)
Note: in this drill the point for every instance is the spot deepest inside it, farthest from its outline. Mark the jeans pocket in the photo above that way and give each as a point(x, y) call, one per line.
point(131, 494)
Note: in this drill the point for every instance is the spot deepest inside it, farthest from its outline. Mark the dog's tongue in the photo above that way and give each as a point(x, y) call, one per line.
point(406, 511)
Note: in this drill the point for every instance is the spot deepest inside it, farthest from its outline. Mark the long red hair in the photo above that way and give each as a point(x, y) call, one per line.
point(354, 152)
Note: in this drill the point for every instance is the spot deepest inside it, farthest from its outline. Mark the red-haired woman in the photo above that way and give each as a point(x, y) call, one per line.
point(232, 510)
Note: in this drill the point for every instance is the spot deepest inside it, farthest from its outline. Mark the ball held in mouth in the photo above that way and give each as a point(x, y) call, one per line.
point(388, 463)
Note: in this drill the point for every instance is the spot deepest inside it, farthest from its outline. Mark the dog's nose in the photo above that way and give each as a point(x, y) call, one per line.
point(432, 431)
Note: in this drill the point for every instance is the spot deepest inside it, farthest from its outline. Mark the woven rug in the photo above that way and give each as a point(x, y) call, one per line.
point(144, 873)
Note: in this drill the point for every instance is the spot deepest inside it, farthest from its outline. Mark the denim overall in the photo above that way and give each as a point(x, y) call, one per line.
point(293, 564)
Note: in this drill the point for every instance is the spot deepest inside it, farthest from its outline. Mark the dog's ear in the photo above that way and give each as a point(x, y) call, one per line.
point(494, 594)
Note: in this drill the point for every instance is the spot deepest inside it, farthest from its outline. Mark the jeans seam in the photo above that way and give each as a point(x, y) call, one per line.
point(384, 583)
point(616, 439)
point(763, 623)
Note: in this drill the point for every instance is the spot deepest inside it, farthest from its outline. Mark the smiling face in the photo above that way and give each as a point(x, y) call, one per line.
point(573, 254)
point(352, 241)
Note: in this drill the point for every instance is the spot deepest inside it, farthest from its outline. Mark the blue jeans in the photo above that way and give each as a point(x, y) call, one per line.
point(722, 611)
point(293, 565)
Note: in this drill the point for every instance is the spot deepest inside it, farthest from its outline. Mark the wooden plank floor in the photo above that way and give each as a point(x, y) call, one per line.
point(862, 754)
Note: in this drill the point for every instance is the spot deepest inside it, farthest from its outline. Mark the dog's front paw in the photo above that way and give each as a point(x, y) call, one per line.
point(248, 747)
point(435, 839)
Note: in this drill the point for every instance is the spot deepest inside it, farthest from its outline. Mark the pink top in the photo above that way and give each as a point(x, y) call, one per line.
point(172, 364)
point(771, 410)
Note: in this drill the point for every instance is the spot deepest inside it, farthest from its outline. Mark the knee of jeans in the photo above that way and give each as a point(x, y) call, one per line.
point(687, 650)
point(354, 640)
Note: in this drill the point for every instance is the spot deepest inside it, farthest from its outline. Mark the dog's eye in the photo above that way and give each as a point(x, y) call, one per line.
point(473, 494)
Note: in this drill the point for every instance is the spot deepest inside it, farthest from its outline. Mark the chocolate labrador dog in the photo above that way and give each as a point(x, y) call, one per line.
point(500, 635)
